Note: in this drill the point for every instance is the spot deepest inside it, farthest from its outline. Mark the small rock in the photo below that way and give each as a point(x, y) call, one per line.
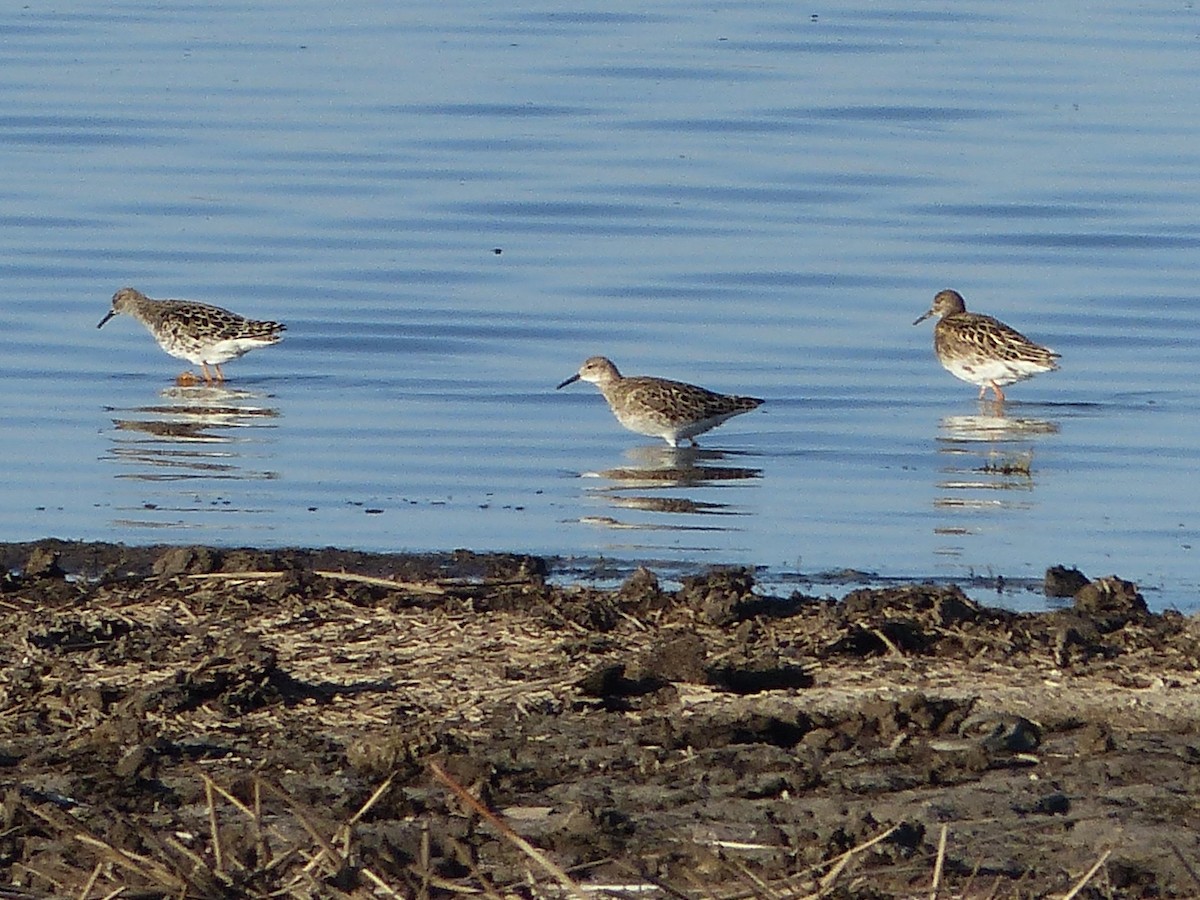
point(720, 596)
point(1112, 599)
point(605, 680)
point(43, 563)
point(186, 561)
point(679, 657)
point(1055, 804)
point(1063, 582)
point(134, 761)
point(999, 732)
point(641, 590)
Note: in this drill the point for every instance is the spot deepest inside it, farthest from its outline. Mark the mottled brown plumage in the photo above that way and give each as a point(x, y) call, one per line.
point(982, 350)
point(202, 334)
point(659, 407)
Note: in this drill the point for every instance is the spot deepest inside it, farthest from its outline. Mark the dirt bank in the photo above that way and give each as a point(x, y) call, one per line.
point(207, 723)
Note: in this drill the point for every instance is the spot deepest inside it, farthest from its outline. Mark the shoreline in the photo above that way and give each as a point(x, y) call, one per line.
point(93, 559)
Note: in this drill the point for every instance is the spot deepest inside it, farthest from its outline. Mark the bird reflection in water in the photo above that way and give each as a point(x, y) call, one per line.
point(652, 480)
point(192, 433)
point(987, 460)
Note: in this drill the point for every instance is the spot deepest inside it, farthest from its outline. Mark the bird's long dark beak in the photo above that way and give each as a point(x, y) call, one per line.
point(574, 378)
point(923, 318)
point(111, 313)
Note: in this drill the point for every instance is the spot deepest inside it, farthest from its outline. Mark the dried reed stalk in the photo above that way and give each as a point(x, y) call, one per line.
point(1082, 883)
point(538, 857)
point(939, 865)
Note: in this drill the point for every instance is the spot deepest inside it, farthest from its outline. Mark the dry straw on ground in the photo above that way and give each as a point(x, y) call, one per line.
point(241, 724)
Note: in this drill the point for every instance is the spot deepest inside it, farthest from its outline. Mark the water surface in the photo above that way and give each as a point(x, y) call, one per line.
point(451, 207)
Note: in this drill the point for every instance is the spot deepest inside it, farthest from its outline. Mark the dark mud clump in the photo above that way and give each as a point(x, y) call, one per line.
point(210, 722)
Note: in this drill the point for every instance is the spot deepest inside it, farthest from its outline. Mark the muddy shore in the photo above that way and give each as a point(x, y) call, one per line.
point(240, 723)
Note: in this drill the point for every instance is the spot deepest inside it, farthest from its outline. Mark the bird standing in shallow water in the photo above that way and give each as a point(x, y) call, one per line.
point(982, 350)
point(659, 407)
point(202, 334)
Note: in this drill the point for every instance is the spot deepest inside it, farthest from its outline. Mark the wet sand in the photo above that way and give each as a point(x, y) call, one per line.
point(203, 722)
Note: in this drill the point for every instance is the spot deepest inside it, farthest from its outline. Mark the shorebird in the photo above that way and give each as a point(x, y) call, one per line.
point(982, 350)
point(202, 334)
point(659, 407)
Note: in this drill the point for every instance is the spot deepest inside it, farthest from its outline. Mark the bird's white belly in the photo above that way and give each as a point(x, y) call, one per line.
point(640, 423)
point(983, 372)
point(218, 352)
point(671, 432)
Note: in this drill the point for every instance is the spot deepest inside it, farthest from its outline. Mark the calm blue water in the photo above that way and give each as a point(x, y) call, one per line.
point(451, 207)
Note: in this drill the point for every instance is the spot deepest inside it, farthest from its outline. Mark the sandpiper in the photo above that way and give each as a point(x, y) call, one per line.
point(202, 334)
point(659, 407)
point(983, 350)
